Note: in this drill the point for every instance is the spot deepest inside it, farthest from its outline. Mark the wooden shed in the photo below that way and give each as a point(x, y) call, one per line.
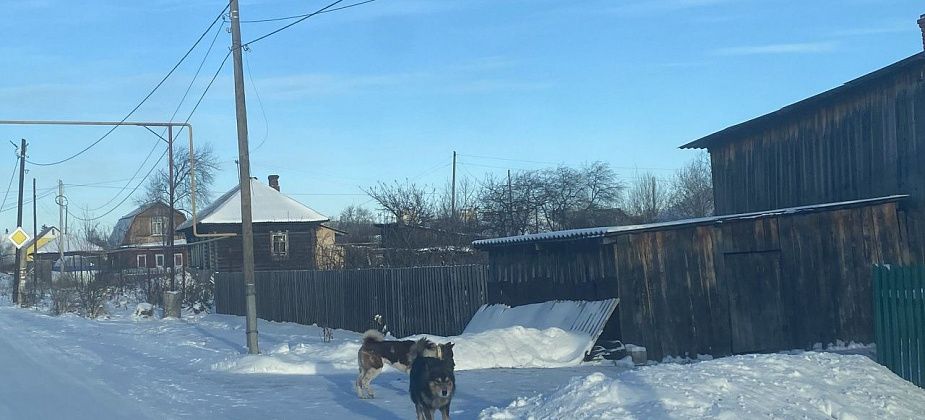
point(752, 282)
point(863, 139)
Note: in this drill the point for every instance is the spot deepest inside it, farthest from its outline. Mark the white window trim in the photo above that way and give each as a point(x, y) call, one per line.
point(141, 261)
point(155, 221)
point(180, 256)
point(159, 257)
point(285, 236)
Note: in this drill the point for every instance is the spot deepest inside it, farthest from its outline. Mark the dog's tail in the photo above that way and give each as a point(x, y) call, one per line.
point(371, 336)
point(419, 348)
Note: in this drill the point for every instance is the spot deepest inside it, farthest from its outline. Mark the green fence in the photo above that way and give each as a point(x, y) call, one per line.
point(899, 320)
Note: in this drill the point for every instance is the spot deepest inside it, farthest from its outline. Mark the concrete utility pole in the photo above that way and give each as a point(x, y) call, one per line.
point(22, 176)
point(453, 190)
point(247, 228)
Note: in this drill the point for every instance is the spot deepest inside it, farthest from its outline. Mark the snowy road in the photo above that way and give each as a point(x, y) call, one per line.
point(74, 368)
point(69, 367)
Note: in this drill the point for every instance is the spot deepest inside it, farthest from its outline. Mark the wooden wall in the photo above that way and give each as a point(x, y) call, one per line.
point(228, 252)
point(754, 285)
point(866, 143)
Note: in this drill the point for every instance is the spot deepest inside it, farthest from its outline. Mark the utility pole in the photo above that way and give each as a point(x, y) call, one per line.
point(247, 229)
point(170, 226)
point(453, 190)
point(510, 202)
point(60, 200)
point(35, 239)
point(22, 175)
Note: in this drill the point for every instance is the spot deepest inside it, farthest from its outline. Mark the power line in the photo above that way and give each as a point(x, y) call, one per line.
point(269, 34)
point(554, 163)
point(145, 99)
point(10, 185)
point(193, 111)
point(306, 15)
point(266, 124)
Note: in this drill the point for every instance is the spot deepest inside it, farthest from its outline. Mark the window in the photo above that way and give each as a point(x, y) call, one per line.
point(178, 260)
point(159, 260)
point(279, 244)
point(142, 261)
point(157, 226)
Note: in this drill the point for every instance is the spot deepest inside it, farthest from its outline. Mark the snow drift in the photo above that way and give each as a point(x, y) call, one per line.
point(806, 385)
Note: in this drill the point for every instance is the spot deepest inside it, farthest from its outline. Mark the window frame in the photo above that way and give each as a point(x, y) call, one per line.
point(141, 261)
point(175, 263)
point(161, 223)
point(162, 263)
point(285, 242)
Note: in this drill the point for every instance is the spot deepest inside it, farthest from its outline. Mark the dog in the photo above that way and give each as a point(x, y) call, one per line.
point(433, 381)
point(376, 352)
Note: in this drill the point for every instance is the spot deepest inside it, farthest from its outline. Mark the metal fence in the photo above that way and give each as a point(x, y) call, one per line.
point(432, 300)
point(899, 320)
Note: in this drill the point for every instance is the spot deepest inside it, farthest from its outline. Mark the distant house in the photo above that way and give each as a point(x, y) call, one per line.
point(139, 239)
point(288, 235)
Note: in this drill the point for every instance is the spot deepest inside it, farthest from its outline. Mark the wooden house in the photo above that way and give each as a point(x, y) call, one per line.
point(809, 198)
point(288, 235)
point(139, 239)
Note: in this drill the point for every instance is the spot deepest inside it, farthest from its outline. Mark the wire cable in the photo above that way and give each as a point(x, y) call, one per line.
point(266, 124)
point(278, 30)
point(10, 185)
point(150, 171)
point(301, 16)
point(145, 99)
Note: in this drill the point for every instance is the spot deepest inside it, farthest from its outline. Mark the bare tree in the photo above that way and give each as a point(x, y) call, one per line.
point(358, 222)
point(647, 199)
point(692, 189)
point(206, 166)
point(581, 197)
point(407, 202)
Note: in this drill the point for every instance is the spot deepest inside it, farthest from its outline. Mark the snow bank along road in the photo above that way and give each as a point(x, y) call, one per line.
point(69, 367)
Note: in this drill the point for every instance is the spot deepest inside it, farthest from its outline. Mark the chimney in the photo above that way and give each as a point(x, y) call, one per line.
point(274, 181)
point(921, 23)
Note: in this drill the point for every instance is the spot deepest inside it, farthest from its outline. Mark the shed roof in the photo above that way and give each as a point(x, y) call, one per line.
point(268, 206)
point(742, 129)
point(600, 232)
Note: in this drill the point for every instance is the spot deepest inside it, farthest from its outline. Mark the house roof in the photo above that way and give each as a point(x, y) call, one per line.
point(71, 245)
point(125, 223)
point(739, 130)
point(267, 204)
point(600, 232)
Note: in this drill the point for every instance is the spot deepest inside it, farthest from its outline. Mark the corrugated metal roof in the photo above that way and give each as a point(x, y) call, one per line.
point(741, 129)
point(600, 232)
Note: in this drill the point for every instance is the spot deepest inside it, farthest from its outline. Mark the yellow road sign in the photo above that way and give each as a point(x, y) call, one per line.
point(19, 237)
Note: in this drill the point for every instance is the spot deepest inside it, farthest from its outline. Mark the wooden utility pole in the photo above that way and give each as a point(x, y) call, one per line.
point(22, 176)
point(244, 177)
point(453, 190)
point(60, 200)
point(170, 227)
point(35, 240)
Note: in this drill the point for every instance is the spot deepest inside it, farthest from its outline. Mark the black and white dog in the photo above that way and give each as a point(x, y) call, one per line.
point(433, 381)
point(376, 352)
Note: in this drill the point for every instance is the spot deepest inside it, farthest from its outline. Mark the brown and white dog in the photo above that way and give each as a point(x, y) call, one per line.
point(376, 352)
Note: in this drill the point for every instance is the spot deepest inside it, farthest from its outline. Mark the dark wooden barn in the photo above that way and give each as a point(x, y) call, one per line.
point(722, 285)
point(863, 139)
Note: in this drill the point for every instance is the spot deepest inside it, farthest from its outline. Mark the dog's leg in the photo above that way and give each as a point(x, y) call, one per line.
point(359, 384)
point(445, 412)
point(370, 375)
point(422, 412)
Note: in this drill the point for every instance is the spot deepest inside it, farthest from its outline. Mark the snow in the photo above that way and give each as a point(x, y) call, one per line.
point(269, 206)
point(198, 367)
point(808, 385)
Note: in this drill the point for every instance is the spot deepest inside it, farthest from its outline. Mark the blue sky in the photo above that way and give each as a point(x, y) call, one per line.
point(388, 90)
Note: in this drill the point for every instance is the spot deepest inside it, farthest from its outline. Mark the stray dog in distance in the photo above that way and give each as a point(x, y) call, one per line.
point(433, 381)
point(376, 352)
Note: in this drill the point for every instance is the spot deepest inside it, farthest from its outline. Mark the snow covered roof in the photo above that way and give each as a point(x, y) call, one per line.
point(268, 206)
point(600, 232)
point(71, 245)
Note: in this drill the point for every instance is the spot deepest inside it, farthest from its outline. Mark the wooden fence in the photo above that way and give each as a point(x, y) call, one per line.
point(431, 300)
point(899, 320)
